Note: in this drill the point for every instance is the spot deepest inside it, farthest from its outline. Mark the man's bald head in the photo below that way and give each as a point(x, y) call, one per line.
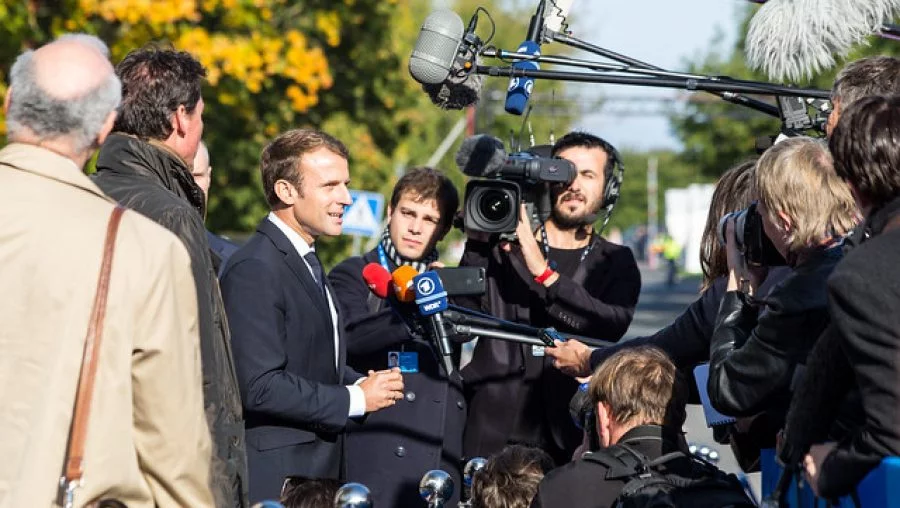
point(65, 90)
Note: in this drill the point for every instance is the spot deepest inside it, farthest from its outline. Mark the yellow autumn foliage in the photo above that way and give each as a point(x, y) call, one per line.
point(247, 49)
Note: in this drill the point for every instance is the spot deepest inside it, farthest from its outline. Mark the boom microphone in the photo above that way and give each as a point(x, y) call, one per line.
point(403, 283)
point(795, 39)
point(443, 59)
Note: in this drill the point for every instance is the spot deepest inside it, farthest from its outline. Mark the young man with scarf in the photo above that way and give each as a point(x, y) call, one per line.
point(563, 275)
point(390, 450)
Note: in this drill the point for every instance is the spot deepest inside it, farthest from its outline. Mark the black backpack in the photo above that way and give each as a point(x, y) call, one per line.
point(650, 483)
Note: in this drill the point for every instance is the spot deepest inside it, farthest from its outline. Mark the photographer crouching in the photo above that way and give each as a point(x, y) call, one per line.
point(803, 210)
point(563, 275)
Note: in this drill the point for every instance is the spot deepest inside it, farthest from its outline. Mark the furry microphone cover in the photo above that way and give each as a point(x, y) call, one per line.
point(791, 40)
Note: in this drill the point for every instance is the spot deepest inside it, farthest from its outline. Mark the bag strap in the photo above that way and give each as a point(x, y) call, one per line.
point(74, 467)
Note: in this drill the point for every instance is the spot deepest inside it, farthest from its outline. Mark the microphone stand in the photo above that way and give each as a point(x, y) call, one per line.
point(466, 322)
point(706, 84)
point(734, 98)
point(728, 95)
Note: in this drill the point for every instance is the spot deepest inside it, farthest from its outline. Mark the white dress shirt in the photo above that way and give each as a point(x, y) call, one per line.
point(357, 397)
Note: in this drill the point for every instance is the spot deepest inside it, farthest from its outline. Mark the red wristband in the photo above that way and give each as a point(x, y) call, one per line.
point(544, 276)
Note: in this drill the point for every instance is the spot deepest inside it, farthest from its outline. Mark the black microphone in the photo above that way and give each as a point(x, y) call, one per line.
point(481, 155)
point(443, 60)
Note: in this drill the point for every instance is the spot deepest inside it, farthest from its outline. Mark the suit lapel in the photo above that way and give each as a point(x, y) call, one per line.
point(296, 264)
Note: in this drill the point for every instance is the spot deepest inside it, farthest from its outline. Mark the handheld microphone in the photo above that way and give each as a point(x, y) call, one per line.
point(520, 88)
point(443, 60)
point(378, 279)
point(403, 283)
point(432, 300)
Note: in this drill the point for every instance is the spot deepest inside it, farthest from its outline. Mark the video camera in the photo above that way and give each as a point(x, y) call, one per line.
point(750, 237)
point(491, 203)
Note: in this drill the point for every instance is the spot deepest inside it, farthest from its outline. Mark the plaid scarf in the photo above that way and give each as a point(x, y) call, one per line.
point(391, 252)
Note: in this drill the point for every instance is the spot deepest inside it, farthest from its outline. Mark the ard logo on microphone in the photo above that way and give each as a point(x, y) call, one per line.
point(430, 295)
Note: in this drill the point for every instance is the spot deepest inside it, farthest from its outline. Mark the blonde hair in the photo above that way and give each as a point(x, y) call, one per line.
point(797, 177)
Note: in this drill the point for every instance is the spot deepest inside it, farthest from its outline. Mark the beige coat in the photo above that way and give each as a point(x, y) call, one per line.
point(148, 443)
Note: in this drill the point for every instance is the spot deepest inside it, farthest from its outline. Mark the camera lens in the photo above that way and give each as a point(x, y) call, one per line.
point(495, 205)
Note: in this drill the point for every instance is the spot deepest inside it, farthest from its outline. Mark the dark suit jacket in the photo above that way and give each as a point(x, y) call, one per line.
point(514, 395)
point(295, 401)
point(391, 450)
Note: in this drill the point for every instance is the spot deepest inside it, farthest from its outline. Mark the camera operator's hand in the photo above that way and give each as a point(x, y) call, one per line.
point(571, 357)
point(531, 251)
point(737, 267)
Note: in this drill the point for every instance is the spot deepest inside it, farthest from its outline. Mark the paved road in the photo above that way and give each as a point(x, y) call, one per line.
point(658, 306)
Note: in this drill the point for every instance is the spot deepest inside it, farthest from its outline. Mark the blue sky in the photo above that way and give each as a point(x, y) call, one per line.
point(662, 33)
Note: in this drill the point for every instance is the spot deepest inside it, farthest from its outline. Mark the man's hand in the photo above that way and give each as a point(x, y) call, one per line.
point(531, 251)
point(812, 464)
point(571, 357)
point(382, 389)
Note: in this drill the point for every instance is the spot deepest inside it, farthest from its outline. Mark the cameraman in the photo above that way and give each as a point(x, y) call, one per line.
point(804, 208)
point(562, 275)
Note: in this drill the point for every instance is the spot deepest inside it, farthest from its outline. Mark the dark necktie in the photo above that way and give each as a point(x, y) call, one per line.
point(317, 270)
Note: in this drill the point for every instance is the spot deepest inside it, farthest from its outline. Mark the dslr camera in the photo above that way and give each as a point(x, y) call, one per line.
point(503, 181)
point(750, 237)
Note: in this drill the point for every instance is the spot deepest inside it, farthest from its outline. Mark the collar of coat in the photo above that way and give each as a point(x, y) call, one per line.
point(129, 155)
point(48, 164)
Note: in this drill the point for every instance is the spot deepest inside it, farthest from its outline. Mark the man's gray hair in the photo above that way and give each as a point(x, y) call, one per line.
point(47, 117)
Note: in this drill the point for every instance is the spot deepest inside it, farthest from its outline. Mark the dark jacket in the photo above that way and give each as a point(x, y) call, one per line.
point(864, 301)
point(220, 249)
point(686, 340)
point(292, 385)
point(753, 357)
point(513, 394)
point(391, 449)
point(583, 484)
point(154, 181)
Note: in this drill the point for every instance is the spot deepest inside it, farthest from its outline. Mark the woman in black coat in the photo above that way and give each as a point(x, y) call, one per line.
point(804, 209)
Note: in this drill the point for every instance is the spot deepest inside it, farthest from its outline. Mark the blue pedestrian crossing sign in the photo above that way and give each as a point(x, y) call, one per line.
point(363, 217)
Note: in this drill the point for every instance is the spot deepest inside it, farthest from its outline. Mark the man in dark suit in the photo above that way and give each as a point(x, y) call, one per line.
point(391, 450)
point(290, 356)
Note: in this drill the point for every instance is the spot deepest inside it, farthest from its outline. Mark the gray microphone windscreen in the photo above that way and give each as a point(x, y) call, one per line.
point(455, 95)
point(480, 155)
point(436, 48)
point(794, 39)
